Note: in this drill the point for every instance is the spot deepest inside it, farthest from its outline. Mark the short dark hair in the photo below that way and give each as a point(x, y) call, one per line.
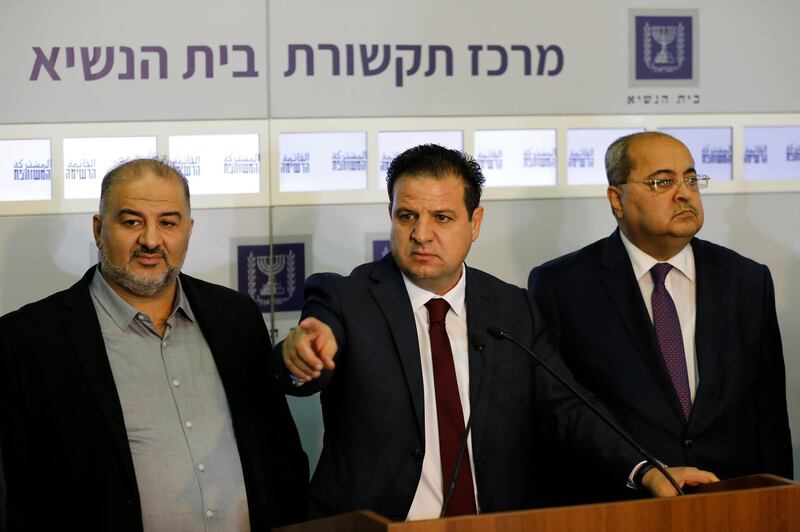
point(618, 159)
point(135, 168)
point(438, 162)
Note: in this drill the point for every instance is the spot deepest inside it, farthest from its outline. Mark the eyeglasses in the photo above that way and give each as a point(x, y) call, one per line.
point(662, 184)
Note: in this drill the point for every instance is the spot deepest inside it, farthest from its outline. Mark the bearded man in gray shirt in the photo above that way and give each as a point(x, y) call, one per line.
point(137, 399)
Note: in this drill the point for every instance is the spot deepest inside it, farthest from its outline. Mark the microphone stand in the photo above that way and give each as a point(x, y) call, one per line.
point(500, 334)
point(479, 344)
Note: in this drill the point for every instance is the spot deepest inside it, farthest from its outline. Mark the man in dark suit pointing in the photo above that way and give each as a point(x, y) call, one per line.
point(677, 336)
point(412, 363)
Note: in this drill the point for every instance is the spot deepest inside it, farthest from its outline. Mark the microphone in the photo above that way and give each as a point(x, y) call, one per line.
point(476, 340)
point(501, 334)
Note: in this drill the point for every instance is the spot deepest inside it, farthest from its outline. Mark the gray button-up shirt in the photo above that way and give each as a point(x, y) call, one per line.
point(176, 416)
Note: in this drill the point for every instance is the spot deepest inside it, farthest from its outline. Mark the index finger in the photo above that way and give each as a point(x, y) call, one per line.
point(299, 357)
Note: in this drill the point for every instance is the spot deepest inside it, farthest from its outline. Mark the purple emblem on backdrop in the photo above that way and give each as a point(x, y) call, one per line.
point(664, 47)
point(288, 270)
point(380, 248)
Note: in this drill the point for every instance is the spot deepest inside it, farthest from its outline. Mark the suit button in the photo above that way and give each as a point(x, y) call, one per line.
point(688, 443)
point(417, 455)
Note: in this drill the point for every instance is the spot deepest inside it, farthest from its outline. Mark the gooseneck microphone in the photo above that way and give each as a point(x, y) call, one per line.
point(501, 334)
point(476, 340)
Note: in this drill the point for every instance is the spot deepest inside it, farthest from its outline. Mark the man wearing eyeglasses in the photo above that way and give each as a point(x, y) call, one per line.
point(677, 336)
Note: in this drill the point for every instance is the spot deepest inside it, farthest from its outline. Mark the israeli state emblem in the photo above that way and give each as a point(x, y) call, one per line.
point(670, 52)
point(664, 47)
point(380, 248)
point(280, 277)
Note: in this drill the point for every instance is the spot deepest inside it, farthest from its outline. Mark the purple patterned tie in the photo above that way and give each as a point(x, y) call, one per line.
point(670, 339)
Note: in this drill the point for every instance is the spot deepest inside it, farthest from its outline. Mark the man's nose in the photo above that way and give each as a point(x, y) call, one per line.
point(150, 237)
point(423, 230)
point(682, 190)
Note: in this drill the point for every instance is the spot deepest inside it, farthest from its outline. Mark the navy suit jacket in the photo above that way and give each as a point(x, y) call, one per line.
point(597, 319)
point(65, 448)
point(372, 402)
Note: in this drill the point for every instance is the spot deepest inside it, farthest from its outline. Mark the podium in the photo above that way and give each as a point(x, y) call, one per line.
point(757, 503)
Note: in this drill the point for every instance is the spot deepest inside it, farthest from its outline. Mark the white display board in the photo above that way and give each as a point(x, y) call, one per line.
point(586, 151)
point(25, 170)
point(771, 153)
point(711, 148)
point(549, 57)
point(86, 161)
point(96, 61)
point(218, 164)
point(238, 164)
point(517, 157)
point(322, 161)
point(393, 143)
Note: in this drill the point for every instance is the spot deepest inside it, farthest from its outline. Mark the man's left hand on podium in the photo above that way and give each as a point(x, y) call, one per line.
point(658, 485)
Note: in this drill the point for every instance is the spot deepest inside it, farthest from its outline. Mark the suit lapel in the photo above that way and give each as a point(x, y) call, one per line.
point(710, 297)
point(619, 282)
point(391, 296)
point(86, 340)
point(479, 315)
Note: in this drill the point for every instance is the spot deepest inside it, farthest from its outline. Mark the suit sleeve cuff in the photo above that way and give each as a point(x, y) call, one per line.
point(638, 473)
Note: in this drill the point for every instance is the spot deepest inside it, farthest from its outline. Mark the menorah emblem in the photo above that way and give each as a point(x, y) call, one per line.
point(664, 46)
point(271, 270)
point(664, 36)
point(272, 282)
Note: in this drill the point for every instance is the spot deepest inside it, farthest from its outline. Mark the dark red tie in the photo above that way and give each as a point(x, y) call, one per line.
point(449, 413)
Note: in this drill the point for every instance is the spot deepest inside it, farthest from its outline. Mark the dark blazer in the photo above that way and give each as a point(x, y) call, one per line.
point(2, 491)
point(65, 449)
point(597, 319)
point(372, 403)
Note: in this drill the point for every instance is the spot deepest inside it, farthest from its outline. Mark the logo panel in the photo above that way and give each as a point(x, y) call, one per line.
point(380, 248)
point(257, 274)
point(664, 47)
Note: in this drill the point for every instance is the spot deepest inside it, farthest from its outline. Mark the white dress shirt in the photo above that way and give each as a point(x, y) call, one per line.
point(428, 498)
point(681, 283)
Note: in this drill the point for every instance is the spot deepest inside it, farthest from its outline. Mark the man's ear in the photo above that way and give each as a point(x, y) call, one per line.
point(477, 218)
point(97, 228)
point(614, 194)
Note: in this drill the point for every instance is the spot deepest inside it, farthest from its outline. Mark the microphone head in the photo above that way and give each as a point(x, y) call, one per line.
point(496, 331)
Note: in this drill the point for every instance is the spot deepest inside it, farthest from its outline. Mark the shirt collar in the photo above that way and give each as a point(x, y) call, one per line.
point(683, 261)
point(120, 311)
point(455, 297)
